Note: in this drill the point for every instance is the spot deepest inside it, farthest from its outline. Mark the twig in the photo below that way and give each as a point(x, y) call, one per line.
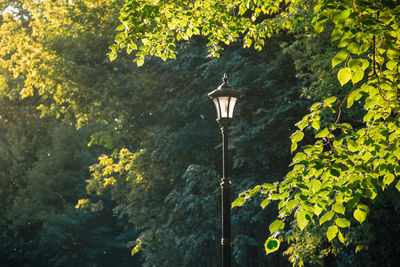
point(341, 104)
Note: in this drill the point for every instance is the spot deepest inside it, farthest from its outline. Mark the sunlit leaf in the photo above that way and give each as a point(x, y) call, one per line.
point(112, 55)
point(271, 245)
point(327, 217)
point(342, 222)
point(322, 134)
point(339, 58)
point(398, 185)
point(344, 75)
point(360, 215)
point(275, 226)
point(292, 203)
point(301, 219)
point(264, 203)
point(341, 237)
point(238, 202)
point(332, 232)
point(357, 76)
point(338, 208)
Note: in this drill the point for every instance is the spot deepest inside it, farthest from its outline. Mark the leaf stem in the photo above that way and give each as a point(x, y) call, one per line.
point(341, 104)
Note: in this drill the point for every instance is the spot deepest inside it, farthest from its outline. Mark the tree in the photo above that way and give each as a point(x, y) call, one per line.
point(54, 73)
point(168, 185)
point(331, 179)
point(158, 172)
point(44, 164)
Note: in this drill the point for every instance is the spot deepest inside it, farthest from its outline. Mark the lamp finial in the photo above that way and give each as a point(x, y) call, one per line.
point(225, 78)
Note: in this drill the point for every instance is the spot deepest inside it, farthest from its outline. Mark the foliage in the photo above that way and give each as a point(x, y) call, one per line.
point(56, 50)
point(53, 62)
point(155, 27)
point(43, 165)
point(331, 179)
point(176, 202)
point(160, 178)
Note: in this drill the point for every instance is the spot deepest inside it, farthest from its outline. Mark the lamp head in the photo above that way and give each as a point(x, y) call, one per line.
point(224, 98)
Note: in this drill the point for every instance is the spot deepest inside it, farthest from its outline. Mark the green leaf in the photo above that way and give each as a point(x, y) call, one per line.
point(271, 245)
point(268, 186)
point(355, 64)
point(131, 47)
point(365, 64)
point(299, 157)
point(330, 100)
point(360, 215)
point(339, 16)
point(393, 53)
point(292, 203)
point(336, 34)
point(391, 64)
point(354, 96)
point(332, 232)
point(120, 27)
point(335, 172)
point(254, 191)
point(317, 209)
point(297, 136)
point(315, 106)
point(302, 124)
point(315, 185)
point(342, 222)
point(393, 136)
point(322, 134)
point(276, 225)
point(112, 55)
point(357, 76)
point(369, 115)
point(318, 28)
point(388, 178)
point(293, 147)
point(140, 61)
point(338, 208)
point(327, 217)
point(265, 203)
point(238, 202)
point(316, 124)
point(341, 237)
point(344, 75)
point(275, 196)
point(145, 41)
point(120, 37)
point(137, 248)
point(339, 58)
point(164, 56)
point(398, 186)
point(114, 47)
point(301, 219)
point(364, 47)
point(353, 48)
point(344, 42)
point(282, 204)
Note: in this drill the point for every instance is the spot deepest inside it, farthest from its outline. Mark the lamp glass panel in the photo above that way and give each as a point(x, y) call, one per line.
point(217, 107)
point(223, 103)
point(231, 106)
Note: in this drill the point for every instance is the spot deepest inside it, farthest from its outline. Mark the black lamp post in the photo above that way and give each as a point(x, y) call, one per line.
point(224, 98)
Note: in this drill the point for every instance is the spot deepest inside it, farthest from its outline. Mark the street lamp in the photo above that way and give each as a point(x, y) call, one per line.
point(224, 98)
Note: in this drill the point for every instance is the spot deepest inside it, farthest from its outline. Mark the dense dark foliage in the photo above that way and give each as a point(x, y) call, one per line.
point(168, 197)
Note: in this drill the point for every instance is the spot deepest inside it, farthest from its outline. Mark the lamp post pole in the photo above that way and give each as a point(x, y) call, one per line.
point(225, 98)
point(226, 201)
